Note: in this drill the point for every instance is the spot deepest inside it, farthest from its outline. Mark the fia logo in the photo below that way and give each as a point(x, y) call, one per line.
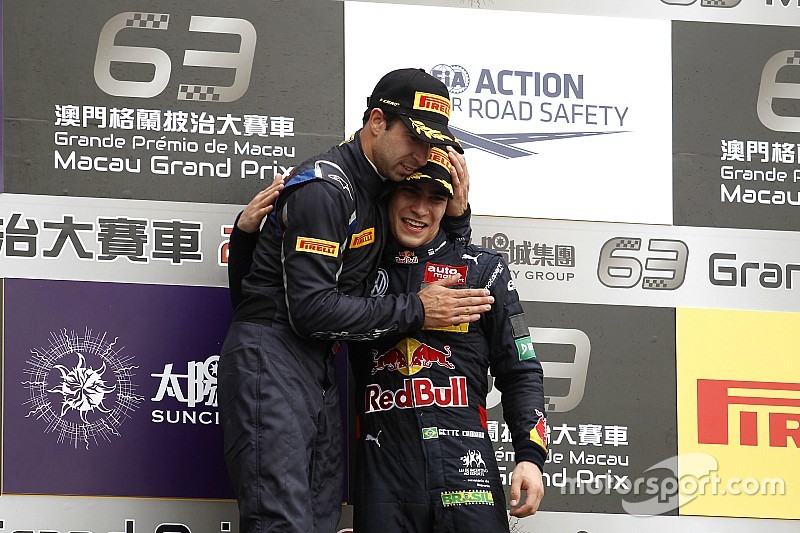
point(455, 77)
point(81, 387)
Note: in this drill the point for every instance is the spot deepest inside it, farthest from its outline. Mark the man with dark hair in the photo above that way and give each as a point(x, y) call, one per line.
point(306, 280)
point(424, 459)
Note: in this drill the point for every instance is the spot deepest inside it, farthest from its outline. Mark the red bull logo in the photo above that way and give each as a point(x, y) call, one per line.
point(416, 392)
point(409, 356)
point(539, 431)
point(406, 257)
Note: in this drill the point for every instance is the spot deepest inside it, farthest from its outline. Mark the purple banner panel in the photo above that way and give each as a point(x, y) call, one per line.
point(110, 389)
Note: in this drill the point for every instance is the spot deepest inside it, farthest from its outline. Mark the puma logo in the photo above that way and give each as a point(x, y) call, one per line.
point(374, 439)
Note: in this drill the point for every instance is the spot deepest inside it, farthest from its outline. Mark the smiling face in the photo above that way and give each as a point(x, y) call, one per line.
point(395, 151)
point(415, 212)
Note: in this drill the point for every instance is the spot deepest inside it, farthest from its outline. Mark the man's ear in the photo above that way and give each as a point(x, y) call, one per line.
point(376, 121)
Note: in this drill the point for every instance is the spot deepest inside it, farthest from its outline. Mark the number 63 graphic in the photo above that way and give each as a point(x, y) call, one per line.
point(108, 52)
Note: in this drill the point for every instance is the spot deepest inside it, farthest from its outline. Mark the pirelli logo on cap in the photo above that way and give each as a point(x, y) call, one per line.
point(362, 239)
point(432, 102)
point(317, 246)
point(440, 157)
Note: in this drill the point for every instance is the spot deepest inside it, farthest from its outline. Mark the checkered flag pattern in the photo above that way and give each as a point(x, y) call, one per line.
point(550, 406)
point(654, 283)
point(149, 21)
point(793, 59)
point(628, 244)
point(203, 93)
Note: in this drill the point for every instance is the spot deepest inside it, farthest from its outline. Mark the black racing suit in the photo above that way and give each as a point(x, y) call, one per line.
point(425, 461)
point(308, 273)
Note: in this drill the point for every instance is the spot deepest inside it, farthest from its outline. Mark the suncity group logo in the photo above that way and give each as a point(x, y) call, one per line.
point(81, 387)
point(196, 388)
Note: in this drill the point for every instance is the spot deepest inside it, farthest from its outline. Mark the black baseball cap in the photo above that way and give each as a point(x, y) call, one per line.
point(436, 170)
point(421, 101)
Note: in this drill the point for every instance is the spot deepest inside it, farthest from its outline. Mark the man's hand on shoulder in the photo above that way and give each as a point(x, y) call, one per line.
point(527, 477)
point(260, 206)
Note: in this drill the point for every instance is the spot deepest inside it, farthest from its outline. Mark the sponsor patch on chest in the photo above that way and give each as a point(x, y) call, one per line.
point(435, 272)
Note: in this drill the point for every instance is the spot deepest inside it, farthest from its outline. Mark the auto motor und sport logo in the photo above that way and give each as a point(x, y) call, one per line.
point(435, 272)
point(81, 387)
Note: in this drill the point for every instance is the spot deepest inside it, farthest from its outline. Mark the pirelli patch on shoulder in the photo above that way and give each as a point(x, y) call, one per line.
point(363, 238)
point(317, 246)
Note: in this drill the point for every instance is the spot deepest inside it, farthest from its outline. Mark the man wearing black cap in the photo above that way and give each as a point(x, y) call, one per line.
point(424, 459)
point(309, 272)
